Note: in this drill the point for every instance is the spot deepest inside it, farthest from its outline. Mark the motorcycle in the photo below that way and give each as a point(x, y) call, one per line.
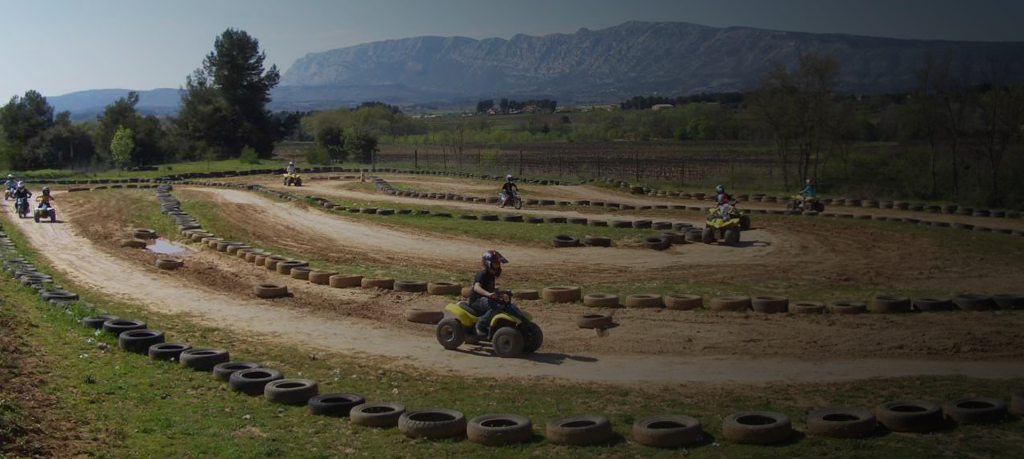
point(512, 200)
point(44, 211)
point(292, 179)
point(9, 193)
point(805, 203)
point(513, 332)
point(21, 204)
point(721, 228)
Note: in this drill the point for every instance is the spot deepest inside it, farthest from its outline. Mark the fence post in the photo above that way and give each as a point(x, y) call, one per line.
point(636, 166)
point(415, 159)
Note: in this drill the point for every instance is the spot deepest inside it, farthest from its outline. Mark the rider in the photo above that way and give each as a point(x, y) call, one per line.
point(11, 182)
point(507, 189)
point(291, 167)
point(22, 193)
point(808, 191)
point(483, 294)
point(45, 199)
point(721, 197)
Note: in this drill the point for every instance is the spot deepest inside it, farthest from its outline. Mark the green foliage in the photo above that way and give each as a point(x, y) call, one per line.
point(122, 147)
point(249, 156)
point(316, 154)
point(24, 118)
point(363, 146)
point(33, 138)
point(146, 130)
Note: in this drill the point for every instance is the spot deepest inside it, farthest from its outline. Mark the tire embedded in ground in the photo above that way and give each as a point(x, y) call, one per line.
point(806, 307)
point(301, 273)
point(644, 301)
point(974, 302)
point(561, 294)
point(1017, 403)
point(909, 416)
point(253, 381)
point(378, 282)
point(848, 307)
point(522, 294)
point(601, 300)
point(270, 291)
point(683, 302)
point(565, 240)
point(139, 341)
point(730, 303)
point(499, 429)
point(432, 424)
point(291, 391)
point(376, 414)
point(321, 277)
point(597, 241)
point(423, 316)
point(579, 431)
point(168, 351)
point(975, 410)
point(444, 288)
point(335, 405)
point(594, 321)
point(841, 422)
point(668, 431)
point(770, 304)
point(118, 326)
point(285, 267)
point(203, 359)
point(409, 286)
point(932, 304)
point(223, 371)
point(1009, 301)
point(890, 304)
point(345, 280)
point(97, 321)
point(757, 428)
point(169, 263)
point(657, 243)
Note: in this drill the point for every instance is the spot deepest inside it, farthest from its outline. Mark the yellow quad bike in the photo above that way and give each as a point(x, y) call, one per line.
point(513, 332)
point(721, 230)
point(805, 204)
point(292, 180)
point(740, 215)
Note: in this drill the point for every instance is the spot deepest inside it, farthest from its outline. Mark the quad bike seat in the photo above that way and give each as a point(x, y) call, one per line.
point(468, 307)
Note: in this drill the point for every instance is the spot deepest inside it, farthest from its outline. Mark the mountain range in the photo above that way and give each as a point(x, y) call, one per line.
point(594, 66)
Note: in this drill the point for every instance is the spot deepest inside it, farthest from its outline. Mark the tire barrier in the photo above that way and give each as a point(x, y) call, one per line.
point(594, 321)
point(668, 431)
point(657, 243)
point(932, 304)
point(909, 416)
point(169, 352)
point(974, 302)
point(601, 300)
point(890, 304)
point(409, 286)
point(770, 304)
point(169, 264)
point(499, 429)
point(270, 291)
point(432, 424)
point(757, 428)
point(291, 391)
point(975, 410)
point(848, 307)
point(522, 294)
point(561, 294)
point(321, 277)
point(444, 288)
point(683, 302)
point(345, 280)
point(423, 316)
point(139, 341)
point(253, 381)
point(203, 359)
point(730, 303)
point(579, 431)
point(806, 307)
point(223, 371)
point(376, 414)
point(565, 240)
point(382, 283)
point(301, 273)
point(118, 326)
point(597, 241)
point(644, 301)
point(335, 405)
point(841, 422)
point(97, 321)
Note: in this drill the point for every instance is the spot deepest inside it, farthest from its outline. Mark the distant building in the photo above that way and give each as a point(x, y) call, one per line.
point(657, 107)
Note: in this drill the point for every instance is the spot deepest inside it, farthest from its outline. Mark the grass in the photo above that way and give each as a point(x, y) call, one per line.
point(142, 408)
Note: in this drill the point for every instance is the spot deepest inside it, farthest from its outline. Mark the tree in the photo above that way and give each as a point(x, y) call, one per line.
point(224, 102)
point(363, 146)
point(146, 130)
point(25, 117)
point(122, 147)
point(484, 105)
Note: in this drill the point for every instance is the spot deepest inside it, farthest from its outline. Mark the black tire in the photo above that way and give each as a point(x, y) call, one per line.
point(499, 429)
point(139, 341)
point(731, 238)
point(806, 307)
point(932, 304)
point(1009, 301)
point(335, 405)
point(848, 307)
point(291, 391)
point(757, 428)
point(708, 236)
point(223, 371)
point(909, 416)
point(597, 241)
point(253, 381)
point(890, 304)
point(745, 222)
point(118, 326)
point(450, 334)
point(533, 337)
point(770, 304)
point(410, 286)
point(657, 243)
point(668, 431)
point(59, 295)
point(376, 414)
point(974, 302)
point(97, 321)
point(841, 422)
point(580, 431)
point(517, 203)
point(565, 240)
point(203, 359)
point(432, 424)
point(508, 343)
point(975, 410)
point(168, 351)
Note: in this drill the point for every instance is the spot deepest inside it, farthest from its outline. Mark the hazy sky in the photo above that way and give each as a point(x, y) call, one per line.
point(61, 46)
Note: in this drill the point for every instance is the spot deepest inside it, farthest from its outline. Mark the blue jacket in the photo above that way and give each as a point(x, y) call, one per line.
point(809, 192)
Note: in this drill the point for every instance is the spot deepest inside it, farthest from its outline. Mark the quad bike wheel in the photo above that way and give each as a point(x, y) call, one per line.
point(732, 237)
point(450, 333)
point(819, 207)
point(745, 222)
point(708, 236)
point(35, 215)
point(533, 336)
point(508, 343)
point(517, 203)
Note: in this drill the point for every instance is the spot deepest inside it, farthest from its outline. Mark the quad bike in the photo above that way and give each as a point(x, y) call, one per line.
point(740, 215)
point(513, 332)
point(725, 230)
point(8, 194)
point(44, 211)
point(292, 180)
point(805, 204)
point(514, 200)
point(21, 204)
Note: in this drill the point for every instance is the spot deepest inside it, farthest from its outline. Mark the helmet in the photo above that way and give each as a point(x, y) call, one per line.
point(46, 190)
point(21, 184)
point(509, 178)
point(809, 182)
point(490, 258)
point(291, 163)
point(10, 176)
point(719, 189)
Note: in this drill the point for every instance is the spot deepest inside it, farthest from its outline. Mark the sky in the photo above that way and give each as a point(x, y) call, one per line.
point(61, 46)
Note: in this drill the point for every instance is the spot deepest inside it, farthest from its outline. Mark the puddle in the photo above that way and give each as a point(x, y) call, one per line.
point(164, 247)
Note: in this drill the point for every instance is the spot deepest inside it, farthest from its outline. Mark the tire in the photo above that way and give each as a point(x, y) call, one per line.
point(202, 359)
point(167, 351)
point(561, 294)
point(450, 334)
point(118, 326)
point(757, 428)
point(565, 240)
point(683, 302)
point(376, 414)
point(841, 423)
point(909, 416)
point(533, 337)
point(890, 304)
point(974, 302)
point(409, 286)
point(380, 282)
point(517, 203)
point(139, 341)
point(133, 243)
point(271, 262)
point(622, 224)
point(432, 424)
point(144, 233)
point(444, 288)
point(576, 221)
point(597, 241)
point(1009, 301)
point(335, 405)
point(770, 304)
point(730, 303)
point(601, 300)
point(522, 294)
point(508, 343)
point(708, 236)
point(848, 307)
point(732, 237)
point(594, 321)
point(975, 410)
point(499, 429)
point(345, 280)
point(300, 273)
point(807, 307)
point(223, 371)
point(169, 264)
point(285, 267)
point(644, 301)
point(291, 391)
point(97, 321)
point(657, 243)
point(579, 431)
point(423, 316)
point(270, 291)
point(668, 431)
point(252, 381)
point(321, 277)
point(745, 222)
point(58, 295)
point(932, 304)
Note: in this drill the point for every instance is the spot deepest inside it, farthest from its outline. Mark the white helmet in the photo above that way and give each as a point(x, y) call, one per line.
point(10, 176)
point(508, 178)
point(291, 163)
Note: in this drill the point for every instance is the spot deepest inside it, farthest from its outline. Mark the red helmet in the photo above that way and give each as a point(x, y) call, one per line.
point(492, 256)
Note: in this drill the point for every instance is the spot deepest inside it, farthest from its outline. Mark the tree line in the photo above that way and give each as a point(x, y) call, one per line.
point(507, 106)
point(646, 102)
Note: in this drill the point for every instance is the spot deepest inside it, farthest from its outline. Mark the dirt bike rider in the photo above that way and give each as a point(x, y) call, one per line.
point(45, 199)
point(808, 191)
point(483, 294)
point(21, 193)
point(11, 183)
point(291, 167)
point(508, 188)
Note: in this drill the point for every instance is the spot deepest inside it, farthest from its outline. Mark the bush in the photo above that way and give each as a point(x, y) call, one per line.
point(249, 156)
point(317, 154)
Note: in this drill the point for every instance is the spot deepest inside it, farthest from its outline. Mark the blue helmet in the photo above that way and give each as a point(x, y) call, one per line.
point(719, 189)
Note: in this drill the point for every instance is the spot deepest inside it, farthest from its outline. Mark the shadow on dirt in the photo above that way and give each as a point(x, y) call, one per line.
point(539, 357)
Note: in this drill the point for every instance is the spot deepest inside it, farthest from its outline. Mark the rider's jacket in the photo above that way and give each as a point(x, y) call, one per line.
point(508, 186)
